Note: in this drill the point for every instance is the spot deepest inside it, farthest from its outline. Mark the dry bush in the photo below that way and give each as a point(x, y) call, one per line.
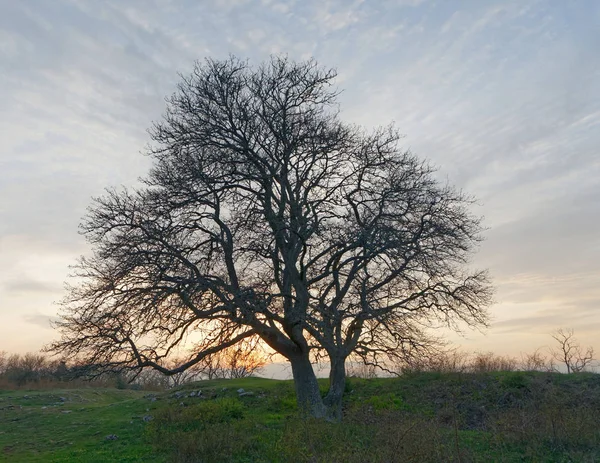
point(150, 379)
point(457, 361)
point(243, 359)
point(239, 361)
point(358, 369)
point(537, 361)
point(488, 361)
point(449, 361)
point(36, 371)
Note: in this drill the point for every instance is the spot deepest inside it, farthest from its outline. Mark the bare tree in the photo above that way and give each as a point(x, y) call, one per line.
point(569, 351)
point(194, 373)
point(239, 361)
point(211, 366)
point(29, 368)
point(265, 215)
point(3, 359)
point(243, 360)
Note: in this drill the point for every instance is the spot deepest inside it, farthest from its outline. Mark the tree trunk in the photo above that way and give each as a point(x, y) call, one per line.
point(308, 395)
point(337, 384)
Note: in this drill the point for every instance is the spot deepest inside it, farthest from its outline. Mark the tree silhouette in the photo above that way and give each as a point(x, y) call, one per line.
point(570, 352)
point(265, 215)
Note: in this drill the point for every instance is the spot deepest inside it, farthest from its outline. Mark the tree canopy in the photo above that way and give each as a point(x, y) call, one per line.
point(266, 216)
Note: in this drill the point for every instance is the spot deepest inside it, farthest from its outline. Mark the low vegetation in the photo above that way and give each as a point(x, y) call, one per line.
point(507, 416)
point(36, 371)
point(451, 406)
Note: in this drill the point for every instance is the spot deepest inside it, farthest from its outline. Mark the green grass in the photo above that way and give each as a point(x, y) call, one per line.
point(39, 426)
point(421, 417)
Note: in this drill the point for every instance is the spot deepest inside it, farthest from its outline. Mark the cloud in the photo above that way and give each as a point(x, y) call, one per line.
point(44, 321)
point(28, 286)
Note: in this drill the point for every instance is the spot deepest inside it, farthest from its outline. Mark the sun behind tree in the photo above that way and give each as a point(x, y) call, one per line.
point(265, 215)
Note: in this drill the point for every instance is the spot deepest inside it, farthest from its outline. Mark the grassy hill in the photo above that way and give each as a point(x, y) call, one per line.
point(420, 417)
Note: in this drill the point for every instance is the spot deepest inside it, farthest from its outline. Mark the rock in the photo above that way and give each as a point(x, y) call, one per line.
point(192, 394)
point(112, 437)
point(153, 399)
point(242, 394)
point(147, 418)
point(66, 411)
point(240, 390)
point(62, 399)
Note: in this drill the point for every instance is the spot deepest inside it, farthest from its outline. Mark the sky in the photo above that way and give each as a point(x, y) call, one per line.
point(502, 96)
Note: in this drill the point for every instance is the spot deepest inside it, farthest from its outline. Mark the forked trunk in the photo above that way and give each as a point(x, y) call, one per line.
point(310, 402)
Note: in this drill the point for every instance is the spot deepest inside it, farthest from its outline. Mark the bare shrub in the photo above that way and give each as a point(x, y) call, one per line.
point(3, 356)
point(570, 353)
point(359, 369)
point(488, 361)
point(36, 371)
point(446, 361)
point(537, 361)
point(244, 359)
point(457, 361)
point(239, 361)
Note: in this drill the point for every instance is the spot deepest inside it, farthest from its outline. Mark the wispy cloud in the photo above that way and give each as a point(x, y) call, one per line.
point(28, 286)
point(43, 321)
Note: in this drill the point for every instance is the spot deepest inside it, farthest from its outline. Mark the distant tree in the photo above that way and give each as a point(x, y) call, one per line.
point(242, 360)
point(27, 368)
point(3, 357)
point(570, 353)
point(265, 215)
point(239, 361)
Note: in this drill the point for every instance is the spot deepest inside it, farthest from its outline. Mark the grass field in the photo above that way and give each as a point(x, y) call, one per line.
point(420, 417)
